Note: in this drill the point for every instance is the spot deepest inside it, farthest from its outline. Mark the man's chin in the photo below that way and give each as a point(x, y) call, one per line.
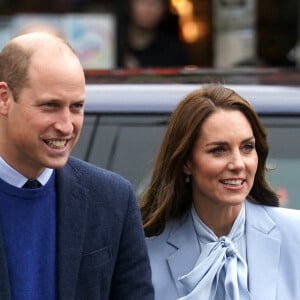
point(57, 163)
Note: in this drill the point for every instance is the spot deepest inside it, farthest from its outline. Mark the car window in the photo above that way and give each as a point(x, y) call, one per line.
point(126, 144)
point(284, 157)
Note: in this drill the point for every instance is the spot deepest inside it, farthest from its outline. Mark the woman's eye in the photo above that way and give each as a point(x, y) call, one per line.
point(249, 147)
point(218, 150)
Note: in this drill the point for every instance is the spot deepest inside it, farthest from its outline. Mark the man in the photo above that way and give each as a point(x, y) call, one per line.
point(79, 234)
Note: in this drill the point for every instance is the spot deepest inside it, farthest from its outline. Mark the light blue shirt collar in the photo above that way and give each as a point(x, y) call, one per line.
point(13, 177)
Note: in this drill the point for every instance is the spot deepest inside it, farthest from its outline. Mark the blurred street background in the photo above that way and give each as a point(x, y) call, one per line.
point(214, 33)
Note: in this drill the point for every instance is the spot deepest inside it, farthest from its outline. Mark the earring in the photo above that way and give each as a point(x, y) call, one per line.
point(187, 179)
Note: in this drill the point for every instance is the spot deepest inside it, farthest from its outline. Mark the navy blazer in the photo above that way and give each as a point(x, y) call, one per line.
point(273, 242)
point(101, 246)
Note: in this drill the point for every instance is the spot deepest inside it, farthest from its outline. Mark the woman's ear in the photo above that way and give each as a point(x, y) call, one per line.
point(187, 168)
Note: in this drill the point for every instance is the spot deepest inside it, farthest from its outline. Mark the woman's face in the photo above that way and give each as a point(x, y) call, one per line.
point(223, 161)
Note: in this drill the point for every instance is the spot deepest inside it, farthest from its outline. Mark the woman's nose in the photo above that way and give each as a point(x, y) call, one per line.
point(236, 161)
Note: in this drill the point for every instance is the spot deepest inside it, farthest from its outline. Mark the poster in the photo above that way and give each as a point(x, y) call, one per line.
point(93, 36)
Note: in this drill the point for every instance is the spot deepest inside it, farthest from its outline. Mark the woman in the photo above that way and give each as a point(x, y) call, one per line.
point(216, 231)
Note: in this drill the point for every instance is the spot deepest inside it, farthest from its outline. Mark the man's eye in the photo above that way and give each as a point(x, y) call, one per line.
point(78, 106)
point(50, 104)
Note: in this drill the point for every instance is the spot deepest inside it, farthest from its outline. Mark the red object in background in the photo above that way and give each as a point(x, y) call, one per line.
point(193, 74)
point(282, 192)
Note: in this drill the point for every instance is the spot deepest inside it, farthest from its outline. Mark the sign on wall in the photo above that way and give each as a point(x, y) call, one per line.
point(91, 35)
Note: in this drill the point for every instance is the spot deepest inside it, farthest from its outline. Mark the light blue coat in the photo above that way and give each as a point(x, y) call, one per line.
point(273, 254)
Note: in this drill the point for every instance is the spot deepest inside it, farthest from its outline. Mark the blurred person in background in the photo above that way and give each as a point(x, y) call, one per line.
point(149, 37)
point(215, 231)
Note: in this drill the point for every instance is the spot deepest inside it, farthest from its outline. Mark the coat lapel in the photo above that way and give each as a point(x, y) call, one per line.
point(263, 250)
point(182, 261)
point(72, 210)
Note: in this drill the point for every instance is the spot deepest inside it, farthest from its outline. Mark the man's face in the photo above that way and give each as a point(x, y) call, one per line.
point(44, 123)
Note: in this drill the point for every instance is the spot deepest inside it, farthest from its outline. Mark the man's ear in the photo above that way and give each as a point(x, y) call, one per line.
point(5, 94)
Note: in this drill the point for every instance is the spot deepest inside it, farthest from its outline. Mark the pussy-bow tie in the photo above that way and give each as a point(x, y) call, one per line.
point(221, 274)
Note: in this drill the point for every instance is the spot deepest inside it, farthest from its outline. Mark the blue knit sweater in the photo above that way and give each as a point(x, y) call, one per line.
point(28, 223)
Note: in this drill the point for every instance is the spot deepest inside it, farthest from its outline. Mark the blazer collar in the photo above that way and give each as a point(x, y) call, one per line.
point(263, 250)
point(184, 239)
point(72, 211)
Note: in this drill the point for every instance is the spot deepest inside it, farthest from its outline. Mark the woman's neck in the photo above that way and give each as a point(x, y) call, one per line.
point(218, 218)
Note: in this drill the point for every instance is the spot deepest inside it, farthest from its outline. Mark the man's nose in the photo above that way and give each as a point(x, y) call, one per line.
point(64, 122)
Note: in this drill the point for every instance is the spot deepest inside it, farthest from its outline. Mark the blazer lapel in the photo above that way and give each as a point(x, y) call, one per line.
point(72, 209)
point(263, 250)
point(182, 261)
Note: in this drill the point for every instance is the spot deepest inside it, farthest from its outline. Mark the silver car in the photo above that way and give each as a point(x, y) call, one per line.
point(124, 124)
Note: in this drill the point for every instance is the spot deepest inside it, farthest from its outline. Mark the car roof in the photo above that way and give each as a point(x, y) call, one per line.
point(163, 98)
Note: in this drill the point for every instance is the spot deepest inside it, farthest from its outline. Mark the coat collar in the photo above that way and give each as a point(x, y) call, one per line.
point(72, 212)
point(183, 237)
point(263, 249)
